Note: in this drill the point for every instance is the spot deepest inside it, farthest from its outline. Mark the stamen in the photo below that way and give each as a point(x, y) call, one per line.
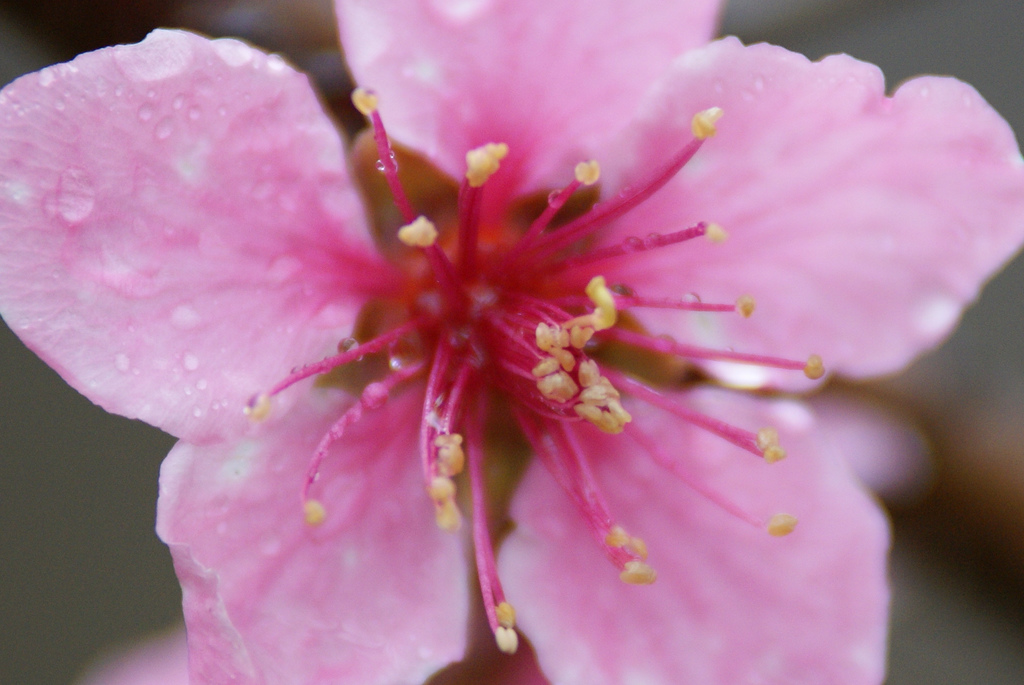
point(703, 124)
point(500, 614)
point(607, 211)
point(781, 524)
point(588, 173)
point(638, 573)
point(693, 352)
point(314, 512)
point(768, 442)
point(601, 296)
point(814, 369)
point(450, 457)
point(483, 162)
point(258, 408)
point(630, 246)
point(419, 233)
point(745, 306)
point(559, 387)
point(366, 102)
point(716, 234)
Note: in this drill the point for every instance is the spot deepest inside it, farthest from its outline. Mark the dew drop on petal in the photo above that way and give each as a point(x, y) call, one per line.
point(46, 77)
point(178, 102)
point(936, 314)
point(161, 55)
point(191, 362)
point(461, 10)
point(145, 112)
point(184, 317)
point(75, 195)
point(163, 129)
point(121, 362)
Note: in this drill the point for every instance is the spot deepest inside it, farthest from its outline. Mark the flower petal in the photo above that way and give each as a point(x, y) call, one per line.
point(548, 78)
point(374, 594)
point(731, 604)
point(179, 227)
point(861, 224)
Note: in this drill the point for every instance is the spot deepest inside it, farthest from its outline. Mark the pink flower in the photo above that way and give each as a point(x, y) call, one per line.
point(181, 229)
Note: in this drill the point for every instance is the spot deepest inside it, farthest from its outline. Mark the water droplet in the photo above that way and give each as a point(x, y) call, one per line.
point(59, 105)
point(347, 344)
point(119, 91)
point(191, 362)
point(47, 76)
point(935, 315)
point(197, 412)
point(201, 384)
point(75, 195)
point(632, 243)
point(121, 362)
point(146, 112)
point(163, 129)
point(691, 297)
point(552, 198)
point(379, 165)
point(194, 113)
point(178, 102)
point(185, 317)
point(276, 64)
point(161, 55)
point(461, 10)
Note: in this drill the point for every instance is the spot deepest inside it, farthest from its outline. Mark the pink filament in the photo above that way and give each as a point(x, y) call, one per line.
point(693, 352)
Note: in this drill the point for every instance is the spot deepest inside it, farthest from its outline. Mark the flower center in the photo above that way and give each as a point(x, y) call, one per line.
point(495, 310)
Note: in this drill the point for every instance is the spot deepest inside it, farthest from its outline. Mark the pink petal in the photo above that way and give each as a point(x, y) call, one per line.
point(731, 604)
point(179, 227)
point(548, 78)
point(861, 224)
point(162, 660)
point(375, 594)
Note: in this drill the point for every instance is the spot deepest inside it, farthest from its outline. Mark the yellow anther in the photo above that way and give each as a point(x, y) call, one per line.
point(505, 614)
point(781, 524)
point(365, 101)
point(766, 437)
point(447, 515)
point(549, 337)
point(589, 412)
point(716, 234)
point(450, 457)
point(545, 366)
point(441, 489)
point(599, 393)
point(482, 162)
point(637, 573)
point(638, 547)
point(258, 408)
point(703, 124)
point(588, 374)
point(774, 453)
point(420, 233)
point(814, 369)
point(745, 306)
point(616, 537)
point(559, 387)
point(580, 336)
point(587, 173)
point(602, 297)
point(313, 512)
point(507, 639)
point(565, 358)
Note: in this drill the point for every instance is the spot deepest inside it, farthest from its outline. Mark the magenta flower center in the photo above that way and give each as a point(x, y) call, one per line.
point(523, 314)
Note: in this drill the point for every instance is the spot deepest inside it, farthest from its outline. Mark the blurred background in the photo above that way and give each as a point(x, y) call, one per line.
point(82, 573)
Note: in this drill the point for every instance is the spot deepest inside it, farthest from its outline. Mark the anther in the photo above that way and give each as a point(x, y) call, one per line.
point(716, 234)
point(588, 373)
point(559, 387)
point(258, 408)
point(364, 101)
point(774, 454)
point(421, 232)
point(745, 306)
point(507, 639)
point(549, 337)
point(564, 357)
point(781, 524)
point(314, 512)
point(441, 489)
point(545, 366)
point(450, 457)
point(579, 336)
point(482, 162)
point(637, 572)
point(587, 173)
point(447, 516)
point(814, 369)
point(505, 614)
point(767, 437)
point(602, 297)
point(616, 537)
point(703, 124)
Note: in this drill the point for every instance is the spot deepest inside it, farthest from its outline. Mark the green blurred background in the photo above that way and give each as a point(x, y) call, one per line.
point(82, 573)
